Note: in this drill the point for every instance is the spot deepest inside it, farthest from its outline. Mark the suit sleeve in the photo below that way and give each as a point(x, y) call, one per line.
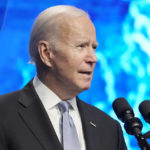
point(121, 141)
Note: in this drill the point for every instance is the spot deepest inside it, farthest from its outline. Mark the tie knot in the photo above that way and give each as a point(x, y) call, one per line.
point(63, 106)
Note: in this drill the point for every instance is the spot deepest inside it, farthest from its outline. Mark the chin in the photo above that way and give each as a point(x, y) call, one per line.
point(85, 87)
point(81, 86)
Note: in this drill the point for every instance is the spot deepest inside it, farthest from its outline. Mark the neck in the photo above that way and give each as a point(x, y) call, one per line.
point(64, 93)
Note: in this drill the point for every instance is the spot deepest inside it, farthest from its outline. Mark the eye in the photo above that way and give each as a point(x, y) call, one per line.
point(82, 45)
point(94, 47)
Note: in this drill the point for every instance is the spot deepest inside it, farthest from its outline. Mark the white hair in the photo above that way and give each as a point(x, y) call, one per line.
point(44, 27)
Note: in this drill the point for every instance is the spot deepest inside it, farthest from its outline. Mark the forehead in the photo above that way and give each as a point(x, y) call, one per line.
point(78, 27)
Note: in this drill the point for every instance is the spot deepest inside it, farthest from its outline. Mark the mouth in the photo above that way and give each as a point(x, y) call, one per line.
point(88, 73)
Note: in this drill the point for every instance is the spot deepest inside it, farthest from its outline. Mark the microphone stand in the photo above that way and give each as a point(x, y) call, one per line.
point(134, 126)
point(142, 142)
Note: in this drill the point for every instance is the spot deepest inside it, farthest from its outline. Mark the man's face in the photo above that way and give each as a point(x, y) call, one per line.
point(74, 58)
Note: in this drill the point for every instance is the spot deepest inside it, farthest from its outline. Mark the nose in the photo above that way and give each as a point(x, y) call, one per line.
point(91, 57)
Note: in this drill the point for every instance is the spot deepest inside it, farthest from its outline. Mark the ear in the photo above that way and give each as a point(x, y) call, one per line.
point(44, 52)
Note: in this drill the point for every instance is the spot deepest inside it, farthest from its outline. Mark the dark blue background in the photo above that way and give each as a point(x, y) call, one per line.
point(123, 33)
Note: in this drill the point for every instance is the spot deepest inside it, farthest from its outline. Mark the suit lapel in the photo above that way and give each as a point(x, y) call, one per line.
point(35, 117)
point(91, 128)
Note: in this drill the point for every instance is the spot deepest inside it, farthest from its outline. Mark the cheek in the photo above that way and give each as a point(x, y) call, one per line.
point(68, 62)
point(69, 71)
point(62, 68)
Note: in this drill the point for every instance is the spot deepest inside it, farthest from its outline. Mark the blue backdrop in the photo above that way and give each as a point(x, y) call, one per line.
point(123, 33)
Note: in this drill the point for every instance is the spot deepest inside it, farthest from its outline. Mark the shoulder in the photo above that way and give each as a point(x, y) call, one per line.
point(8, 101)
point(8, 98)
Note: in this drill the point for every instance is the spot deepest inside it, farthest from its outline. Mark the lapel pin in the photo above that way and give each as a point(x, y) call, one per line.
point(94, 125)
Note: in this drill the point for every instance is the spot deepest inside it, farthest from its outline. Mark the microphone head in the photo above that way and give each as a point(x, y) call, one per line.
point(144, 108)
point(122, 109)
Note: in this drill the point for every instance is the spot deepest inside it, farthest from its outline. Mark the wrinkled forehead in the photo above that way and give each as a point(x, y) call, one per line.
point(75, 27)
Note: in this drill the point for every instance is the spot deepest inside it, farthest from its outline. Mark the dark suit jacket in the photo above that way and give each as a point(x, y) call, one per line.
point(24, 125)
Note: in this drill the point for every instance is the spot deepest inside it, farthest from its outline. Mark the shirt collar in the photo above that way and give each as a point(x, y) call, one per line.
point(73, 103)
point(48, 97)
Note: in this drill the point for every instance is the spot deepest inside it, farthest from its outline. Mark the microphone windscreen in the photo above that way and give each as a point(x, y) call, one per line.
point(120, 106)
point(144, 108)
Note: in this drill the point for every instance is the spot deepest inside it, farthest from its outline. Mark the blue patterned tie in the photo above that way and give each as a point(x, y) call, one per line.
point(69, 134)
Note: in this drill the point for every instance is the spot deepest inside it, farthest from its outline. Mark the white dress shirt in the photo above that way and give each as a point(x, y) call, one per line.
point(50, 102)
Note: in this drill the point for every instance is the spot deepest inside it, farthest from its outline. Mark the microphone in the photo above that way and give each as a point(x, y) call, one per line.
point(132, 125)
point(124, 112)
point(144, 108)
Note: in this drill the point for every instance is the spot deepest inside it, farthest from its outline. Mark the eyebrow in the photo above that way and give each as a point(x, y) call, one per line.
point(86, 42)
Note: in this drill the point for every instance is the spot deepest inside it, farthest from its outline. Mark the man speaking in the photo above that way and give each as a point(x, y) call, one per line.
point(47, 114)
